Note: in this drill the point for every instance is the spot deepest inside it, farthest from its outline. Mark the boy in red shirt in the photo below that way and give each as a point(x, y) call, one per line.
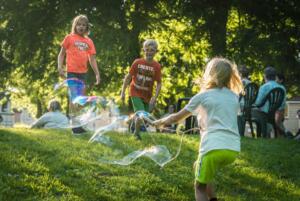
point(141, 77)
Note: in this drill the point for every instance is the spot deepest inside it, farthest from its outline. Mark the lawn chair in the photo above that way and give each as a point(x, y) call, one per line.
point(191, 121)
point(274, 98)
point(248, 99)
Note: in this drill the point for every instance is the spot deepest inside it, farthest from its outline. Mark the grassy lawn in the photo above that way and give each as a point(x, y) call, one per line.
point(54, 165)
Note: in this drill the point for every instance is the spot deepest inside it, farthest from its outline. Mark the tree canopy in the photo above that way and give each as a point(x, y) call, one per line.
point(253, 33)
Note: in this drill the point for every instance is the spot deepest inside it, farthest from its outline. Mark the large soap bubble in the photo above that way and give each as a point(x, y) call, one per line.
point(107, 126)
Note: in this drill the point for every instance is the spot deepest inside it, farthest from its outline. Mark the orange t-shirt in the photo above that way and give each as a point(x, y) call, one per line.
point(143, 76)
point(78, 50)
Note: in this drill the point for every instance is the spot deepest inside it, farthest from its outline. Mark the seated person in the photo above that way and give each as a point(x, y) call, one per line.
point(244, 73)
point(279, 115)
point(261, 113)
point(52, 119)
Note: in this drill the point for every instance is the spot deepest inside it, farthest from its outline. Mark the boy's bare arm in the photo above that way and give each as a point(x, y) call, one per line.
point(154, 98)
point(126, 82)
point(93, 63)
point(60, 61)
point(158, 88)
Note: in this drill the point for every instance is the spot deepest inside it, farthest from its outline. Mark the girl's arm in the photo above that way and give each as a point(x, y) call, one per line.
point(60, 61)
point(93, 63)
point(182, 114)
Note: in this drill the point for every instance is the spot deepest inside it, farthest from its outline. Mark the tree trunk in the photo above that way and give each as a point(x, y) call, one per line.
point(216, 23)
point(39, 108)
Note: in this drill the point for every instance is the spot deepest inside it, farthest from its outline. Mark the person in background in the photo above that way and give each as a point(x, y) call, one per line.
point(216, 105)
point(170, 128)
point(279, 115)
point(244, 73)
point(53, 118)
point(261, 113)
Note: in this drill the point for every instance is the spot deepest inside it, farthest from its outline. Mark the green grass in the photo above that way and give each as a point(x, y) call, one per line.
point(54, 165)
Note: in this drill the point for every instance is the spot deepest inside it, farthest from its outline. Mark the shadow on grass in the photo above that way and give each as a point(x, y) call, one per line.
point(278, 156)
point(40, 164)
point(54, 164)
point(36, 166)
point(243, 185)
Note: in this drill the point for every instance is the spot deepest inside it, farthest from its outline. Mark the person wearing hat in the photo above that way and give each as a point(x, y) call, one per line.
point(270, 83)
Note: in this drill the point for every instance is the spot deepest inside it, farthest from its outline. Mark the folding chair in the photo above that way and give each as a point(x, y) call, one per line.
point(274, 100)
point(248, 99)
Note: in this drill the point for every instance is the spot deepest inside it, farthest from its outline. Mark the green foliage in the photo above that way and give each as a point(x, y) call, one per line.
point(178, 53)
point(54, 165)
point(252, 33)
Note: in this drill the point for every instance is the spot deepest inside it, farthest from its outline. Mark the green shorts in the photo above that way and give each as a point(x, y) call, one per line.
point(211, 162)
point(139, 104)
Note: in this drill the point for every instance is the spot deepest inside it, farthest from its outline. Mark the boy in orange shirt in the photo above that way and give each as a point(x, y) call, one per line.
point(78, 49)
point(141, 77)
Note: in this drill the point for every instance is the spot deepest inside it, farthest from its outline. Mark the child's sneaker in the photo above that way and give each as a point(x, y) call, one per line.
point(143, 128)
point(78, 131)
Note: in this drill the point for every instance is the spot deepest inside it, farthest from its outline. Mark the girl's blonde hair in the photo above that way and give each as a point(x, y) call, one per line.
point(75, 22)
point(221, 72)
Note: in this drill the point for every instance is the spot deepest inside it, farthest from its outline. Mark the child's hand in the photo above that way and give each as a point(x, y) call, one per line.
point(97, 80)
point(195, 165)
point(62, 73)
point(152, 103)
point(158, 123)
point(123, 96)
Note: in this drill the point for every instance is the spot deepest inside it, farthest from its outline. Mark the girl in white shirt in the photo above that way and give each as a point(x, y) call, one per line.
point(216, 106)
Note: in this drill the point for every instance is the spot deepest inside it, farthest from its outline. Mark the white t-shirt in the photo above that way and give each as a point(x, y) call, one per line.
point(216, 110)
point(51, 120)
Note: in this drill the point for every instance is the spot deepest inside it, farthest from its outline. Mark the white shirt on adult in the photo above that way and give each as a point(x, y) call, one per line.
point(51, 120)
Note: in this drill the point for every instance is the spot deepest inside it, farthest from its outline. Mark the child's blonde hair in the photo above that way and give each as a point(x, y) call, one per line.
point(150, 42)
point(221, 72)
point(75, 22)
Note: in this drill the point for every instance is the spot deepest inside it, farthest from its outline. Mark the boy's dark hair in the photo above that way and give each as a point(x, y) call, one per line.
point(244, 71)
point(270, 73)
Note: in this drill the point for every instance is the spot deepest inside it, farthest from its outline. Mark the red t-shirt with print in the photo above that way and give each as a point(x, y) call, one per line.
point(78, 50)
point(143, 76)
